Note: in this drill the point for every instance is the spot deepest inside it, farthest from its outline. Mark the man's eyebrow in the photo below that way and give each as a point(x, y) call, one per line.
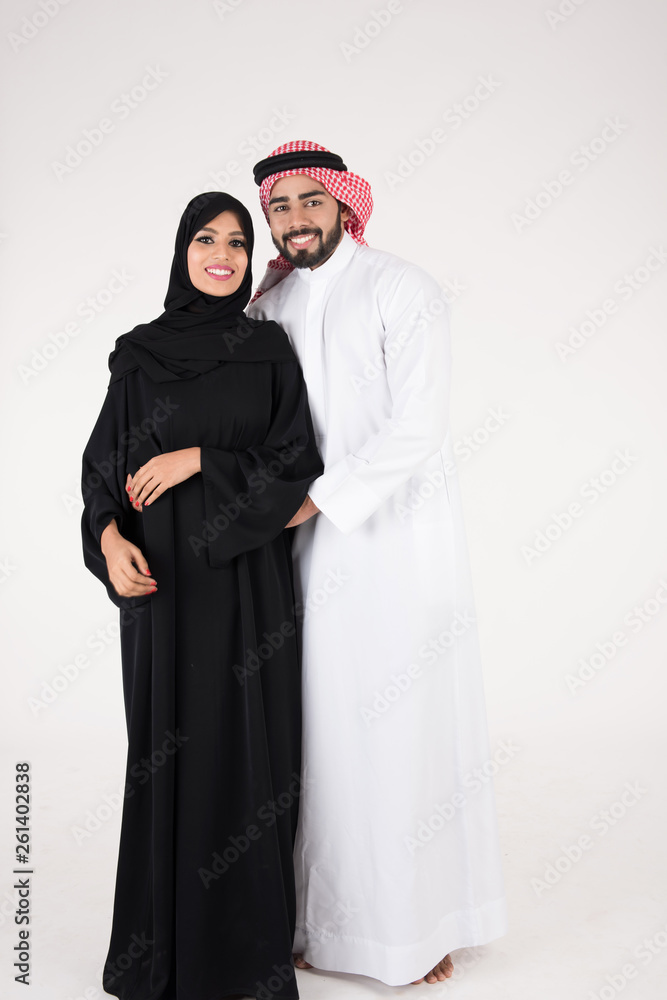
point(301, 197)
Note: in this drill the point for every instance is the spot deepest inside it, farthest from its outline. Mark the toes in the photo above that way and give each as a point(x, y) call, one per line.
point(442, 971)
point(301, 963)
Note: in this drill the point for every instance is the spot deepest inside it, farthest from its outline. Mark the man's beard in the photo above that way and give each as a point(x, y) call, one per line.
point(311, 258)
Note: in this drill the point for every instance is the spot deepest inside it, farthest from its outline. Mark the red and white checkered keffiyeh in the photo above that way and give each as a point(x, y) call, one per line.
point(347, 187)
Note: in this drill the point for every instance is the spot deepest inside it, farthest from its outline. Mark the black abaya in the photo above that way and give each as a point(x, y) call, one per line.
point(204, 902)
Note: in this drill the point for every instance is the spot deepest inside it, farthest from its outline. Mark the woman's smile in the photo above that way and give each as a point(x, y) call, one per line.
point(219, 273)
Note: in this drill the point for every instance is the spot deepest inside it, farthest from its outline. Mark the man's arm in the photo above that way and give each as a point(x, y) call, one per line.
point(417, 358)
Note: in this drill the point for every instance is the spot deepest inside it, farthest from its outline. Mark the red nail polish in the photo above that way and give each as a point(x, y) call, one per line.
point(137, 504)
point(132, 498)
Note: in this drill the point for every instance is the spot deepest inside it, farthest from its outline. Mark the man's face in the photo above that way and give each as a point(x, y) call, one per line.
point(306, 221)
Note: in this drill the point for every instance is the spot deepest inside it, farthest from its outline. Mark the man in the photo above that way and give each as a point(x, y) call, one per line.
point(397, 858)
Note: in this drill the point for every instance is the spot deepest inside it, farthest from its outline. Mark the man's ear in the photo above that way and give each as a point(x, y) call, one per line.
point(344, 211)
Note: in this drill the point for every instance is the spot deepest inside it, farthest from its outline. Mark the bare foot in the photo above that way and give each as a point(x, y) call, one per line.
point(442, 971)
point(301, 963)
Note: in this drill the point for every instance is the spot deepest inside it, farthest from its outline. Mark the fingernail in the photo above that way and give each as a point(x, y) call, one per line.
point(137, 504)
point(131, 498)
point(148, 572)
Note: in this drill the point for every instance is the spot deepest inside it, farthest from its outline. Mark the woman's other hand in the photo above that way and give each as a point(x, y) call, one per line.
point(126, 565)
point(160, 473)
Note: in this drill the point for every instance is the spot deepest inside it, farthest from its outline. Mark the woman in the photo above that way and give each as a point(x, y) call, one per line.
point(202, 454)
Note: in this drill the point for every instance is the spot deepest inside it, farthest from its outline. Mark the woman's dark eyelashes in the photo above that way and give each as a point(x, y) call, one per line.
point(209, 239)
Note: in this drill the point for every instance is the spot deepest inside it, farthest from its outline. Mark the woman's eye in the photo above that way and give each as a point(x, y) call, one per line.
point(236, 243)
point(204, 239)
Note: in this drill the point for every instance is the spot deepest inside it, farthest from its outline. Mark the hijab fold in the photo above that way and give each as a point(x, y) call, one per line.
point(197, 332)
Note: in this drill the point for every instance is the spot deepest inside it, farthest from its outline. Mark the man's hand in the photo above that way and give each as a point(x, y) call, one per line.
point(160, 473)
point(126, 565)
point(306, 510)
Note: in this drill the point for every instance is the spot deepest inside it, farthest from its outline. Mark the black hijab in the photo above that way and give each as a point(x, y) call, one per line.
point(197, 332)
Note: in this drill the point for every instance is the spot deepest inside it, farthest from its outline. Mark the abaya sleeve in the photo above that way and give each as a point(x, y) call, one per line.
point(250, 495)
point(103, 488)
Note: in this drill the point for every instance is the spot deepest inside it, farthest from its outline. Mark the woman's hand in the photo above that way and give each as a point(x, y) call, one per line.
point(127, 568)
point(160, 473)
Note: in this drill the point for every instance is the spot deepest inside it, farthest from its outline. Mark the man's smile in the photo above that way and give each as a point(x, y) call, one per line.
point(303, 240)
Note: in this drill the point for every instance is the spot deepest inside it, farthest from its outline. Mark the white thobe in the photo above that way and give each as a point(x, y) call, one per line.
point(397, 856)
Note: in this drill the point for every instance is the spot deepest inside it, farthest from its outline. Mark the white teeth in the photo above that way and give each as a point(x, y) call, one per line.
point(218, 270)
point(301, 239)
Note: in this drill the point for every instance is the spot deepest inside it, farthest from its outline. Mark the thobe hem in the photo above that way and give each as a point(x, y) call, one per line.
point(398, 965)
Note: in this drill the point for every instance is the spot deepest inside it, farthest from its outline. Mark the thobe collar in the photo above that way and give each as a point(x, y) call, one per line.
point(339, 259)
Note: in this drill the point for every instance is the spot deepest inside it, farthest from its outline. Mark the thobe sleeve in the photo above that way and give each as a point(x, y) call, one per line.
point(102, 486)
point(417, 359)
point(251, 494)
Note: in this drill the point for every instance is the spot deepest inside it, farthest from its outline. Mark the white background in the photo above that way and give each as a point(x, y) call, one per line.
point(372, 95)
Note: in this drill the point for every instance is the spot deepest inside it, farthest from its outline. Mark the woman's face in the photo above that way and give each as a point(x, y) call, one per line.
point(217, 256)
